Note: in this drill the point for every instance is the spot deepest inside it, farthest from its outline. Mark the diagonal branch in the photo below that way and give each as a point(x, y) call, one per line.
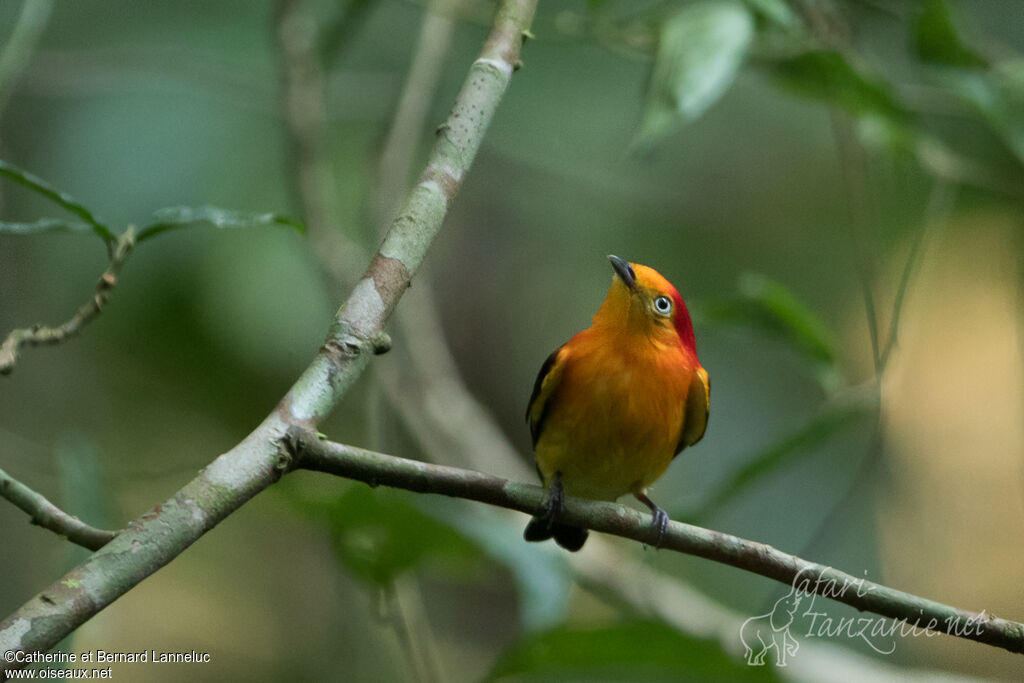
point(809, 577)
point(49, 516)
point(163, 533)
point(40, 334)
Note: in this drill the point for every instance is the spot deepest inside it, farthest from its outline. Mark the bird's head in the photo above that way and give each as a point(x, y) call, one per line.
point(642, 302)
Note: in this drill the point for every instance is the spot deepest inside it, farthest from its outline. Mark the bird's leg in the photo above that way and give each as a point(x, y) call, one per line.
point(660, 516)
point(546, 524)
point(554, 506)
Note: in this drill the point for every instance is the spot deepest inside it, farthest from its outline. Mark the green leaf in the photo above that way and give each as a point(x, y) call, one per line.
point(769, 306)
point(44, 225)
point(936, 39)
point(700, 51)
point(378, 535)
point(40, 186)
point(1007, 117)
point(185, 216)
point(776, 11)
point(998, 96)
point(828, 76)
point(542, 573)
point(631, 651)
point(781, 453)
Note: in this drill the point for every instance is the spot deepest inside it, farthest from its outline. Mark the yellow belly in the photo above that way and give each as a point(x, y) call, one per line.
point(617, 434)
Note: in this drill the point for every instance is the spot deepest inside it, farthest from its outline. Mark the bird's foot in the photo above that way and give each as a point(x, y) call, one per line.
point(660, 521)
point(544, 525)
point(554, 506)
point(661, 524)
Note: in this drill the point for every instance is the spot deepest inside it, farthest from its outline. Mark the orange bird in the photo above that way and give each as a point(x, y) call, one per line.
point(615, 404)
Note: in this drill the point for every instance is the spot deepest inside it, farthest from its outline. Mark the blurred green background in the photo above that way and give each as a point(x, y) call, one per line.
point(780, 162)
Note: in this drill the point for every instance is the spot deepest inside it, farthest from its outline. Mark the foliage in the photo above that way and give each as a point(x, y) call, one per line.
point(62, 199)
point(700, 50)
point(628, 651)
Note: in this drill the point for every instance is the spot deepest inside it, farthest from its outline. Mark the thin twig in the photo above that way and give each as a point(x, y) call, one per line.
point(940, 202)
point(831, 30)
point(854, 485)
point(403, 137)
point(314, 181)
point(854, 169)
point(409, 637)
point(380, 469)
point(40, 334)
point(49, 516)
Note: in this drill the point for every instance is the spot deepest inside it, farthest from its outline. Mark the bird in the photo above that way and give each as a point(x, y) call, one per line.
point(613, 406)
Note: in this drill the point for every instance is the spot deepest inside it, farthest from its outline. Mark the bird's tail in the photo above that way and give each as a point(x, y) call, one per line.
point(569, 537)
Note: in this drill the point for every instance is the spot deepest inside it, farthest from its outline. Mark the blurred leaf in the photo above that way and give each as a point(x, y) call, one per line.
point(936, 38)
point(998, 95)
point(184, 216)
point(543, 575)
point(337, 31)
point(699, 52)
point(1010, 75)
point(884, 123)
point(44, 225)
point(378, 535)
point(828, 76)
point(63, 199)
point(781, 453)
point(1007, 117)
point(768, 305)
point(633, 651)
point(940, 160)
point(776, 11)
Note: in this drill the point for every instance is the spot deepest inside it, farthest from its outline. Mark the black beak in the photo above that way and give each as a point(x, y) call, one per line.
point(624, 271)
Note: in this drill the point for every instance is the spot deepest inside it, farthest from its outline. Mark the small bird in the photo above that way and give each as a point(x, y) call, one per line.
point(613, 406)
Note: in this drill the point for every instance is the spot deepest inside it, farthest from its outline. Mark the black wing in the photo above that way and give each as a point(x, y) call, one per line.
point(547, 380)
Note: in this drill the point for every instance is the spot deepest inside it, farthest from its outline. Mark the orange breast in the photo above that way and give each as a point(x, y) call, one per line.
point(614, 422)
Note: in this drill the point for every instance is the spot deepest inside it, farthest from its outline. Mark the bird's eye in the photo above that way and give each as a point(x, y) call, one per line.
point(663, 305)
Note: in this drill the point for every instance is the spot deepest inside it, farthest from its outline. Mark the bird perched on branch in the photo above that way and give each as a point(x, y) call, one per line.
point(615, 404)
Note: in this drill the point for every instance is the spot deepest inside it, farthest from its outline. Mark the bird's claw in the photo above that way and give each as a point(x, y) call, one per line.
point(661, 524)
point(554, 505)
point(660, 517)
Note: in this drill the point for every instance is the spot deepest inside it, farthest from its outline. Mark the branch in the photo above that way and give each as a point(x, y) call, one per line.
point(358, 325)
point(39, 334)
point(317, 192)
point(160, 535)
point(377, 468)
point(452, 426)
point(49, 516)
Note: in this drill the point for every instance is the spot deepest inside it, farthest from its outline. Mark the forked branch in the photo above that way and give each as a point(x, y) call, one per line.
point(41, 334)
